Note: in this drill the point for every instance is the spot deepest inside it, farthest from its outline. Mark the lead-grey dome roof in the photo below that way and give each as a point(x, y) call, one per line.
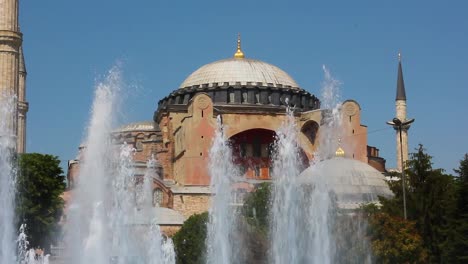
point(354, 182)
point(239, 71)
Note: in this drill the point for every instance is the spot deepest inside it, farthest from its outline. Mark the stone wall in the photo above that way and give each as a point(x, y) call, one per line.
point(189, 204)
point(170, 230)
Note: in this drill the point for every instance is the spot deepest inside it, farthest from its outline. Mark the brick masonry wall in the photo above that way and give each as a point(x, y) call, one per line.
point(169, 230)
point(189, 204)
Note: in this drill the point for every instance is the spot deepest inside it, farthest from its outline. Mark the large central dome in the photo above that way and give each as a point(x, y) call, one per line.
point(239, 85)
point(239, 71)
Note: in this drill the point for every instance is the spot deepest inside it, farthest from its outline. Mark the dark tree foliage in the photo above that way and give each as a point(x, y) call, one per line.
point(189, 242)
point(459, 238)
point(40, 183)
point(430, 196)
point(395, 240)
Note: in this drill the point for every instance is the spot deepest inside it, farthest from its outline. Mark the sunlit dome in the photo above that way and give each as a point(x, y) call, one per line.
point(354, 182)
point(241, 71)
point(139, 126)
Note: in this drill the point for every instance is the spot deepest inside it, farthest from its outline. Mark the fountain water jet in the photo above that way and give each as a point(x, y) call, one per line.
point(108, 200)
point(303, 213)
point(26, 255)
point(7, 177)
point(222, 220)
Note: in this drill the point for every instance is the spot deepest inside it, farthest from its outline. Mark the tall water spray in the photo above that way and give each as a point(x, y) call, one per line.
point(159, 250)
point(111, 211)
point(7, 178)
point(135, 232)
point(222, 218)
point(87, 227)
point(302, 213)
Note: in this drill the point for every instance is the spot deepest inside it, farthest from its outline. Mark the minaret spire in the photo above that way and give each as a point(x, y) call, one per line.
point(401, 93)
point(23, 105)
point(239, 54)
point(402, 123)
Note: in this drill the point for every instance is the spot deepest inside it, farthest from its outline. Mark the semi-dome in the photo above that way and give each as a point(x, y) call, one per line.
point(241, 71)
point(354, 182)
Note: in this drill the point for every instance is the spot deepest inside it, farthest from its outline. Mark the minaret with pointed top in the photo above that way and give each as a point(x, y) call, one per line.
point(23, 105)
point(239, 54)
point(10, 42)
point(400, 104)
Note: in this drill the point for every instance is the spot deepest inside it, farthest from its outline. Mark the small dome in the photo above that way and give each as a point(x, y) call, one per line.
point(239, 71)
point(139, 126)
point(354, 182)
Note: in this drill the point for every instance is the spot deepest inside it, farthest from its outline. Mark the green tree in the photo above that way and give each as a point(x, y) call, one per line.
point(189, 242)
point(459, 228)
point(395, 240)
point(40, 183)
point(430, 196)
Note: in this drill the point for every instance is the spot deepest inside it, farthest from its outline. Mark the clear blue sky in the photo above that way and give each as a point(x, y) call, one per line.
point(69, 44)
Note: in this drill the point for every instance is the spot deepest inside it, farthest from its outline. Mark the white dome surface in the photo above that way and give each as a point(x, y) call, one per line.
point(354, 182)
point(138, 126)
point(234, 71)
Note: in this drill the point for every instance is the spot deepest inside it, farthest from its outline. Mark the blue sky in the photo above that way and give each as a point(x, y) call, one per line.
point(69, 45)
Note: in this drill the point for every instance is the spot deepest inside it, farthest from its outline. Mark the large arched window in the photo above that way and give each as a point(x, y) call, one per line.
point(310, 129)
point(157, 197)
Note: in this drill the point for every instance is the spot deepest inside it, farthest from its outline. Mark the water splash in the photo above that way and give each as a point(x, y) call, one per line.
point(7, 177)
point(88, 233)
point(331, 130)
point(28, 256)
point(160, 249)
point(110, 218)
point(290, 230)
point(222, 218)
point(303, 213)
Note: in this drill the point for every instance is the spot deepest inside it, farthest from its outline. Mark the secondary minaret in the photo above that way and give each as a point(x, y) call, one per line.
point(23, 105)
point(10, 42)
point(403, 127)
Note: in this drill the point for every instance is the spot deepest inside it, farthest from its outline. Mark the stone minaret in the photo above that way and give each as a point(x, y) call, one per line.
point(23, 106)
point(10, 43)
point(400, 103)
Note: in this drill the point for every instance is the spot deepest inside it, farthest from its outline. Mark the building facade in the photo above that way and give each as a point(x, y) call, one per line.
point(250, 97)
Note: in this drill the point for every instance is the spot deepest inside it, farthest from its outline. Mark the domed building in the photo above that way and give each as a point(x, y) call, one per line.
point(251, 97)
point(353, 182)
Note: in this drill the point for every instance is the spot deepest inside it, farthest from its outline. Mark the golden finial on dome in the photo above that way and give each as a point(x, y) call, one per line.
point(239, 54)
point(339, 152)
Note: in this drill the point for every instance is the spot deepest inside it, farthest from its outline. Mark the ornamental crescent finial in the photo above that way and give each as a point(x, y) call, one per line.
point(339, 152)
point(239, 54)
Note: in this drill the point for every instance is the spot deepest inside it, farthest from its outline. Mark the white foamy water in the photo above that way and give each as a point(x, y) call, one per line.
point(111, 217)
point(27, 255)
point(7, 177)
point(222, 217)
point(303, 212)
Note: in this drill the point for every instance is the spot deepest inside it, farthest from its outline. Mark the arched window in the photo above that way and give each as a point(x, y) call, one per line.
point(310, 130)
point(157, 197)
point(257, 147)
point(139, 145)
